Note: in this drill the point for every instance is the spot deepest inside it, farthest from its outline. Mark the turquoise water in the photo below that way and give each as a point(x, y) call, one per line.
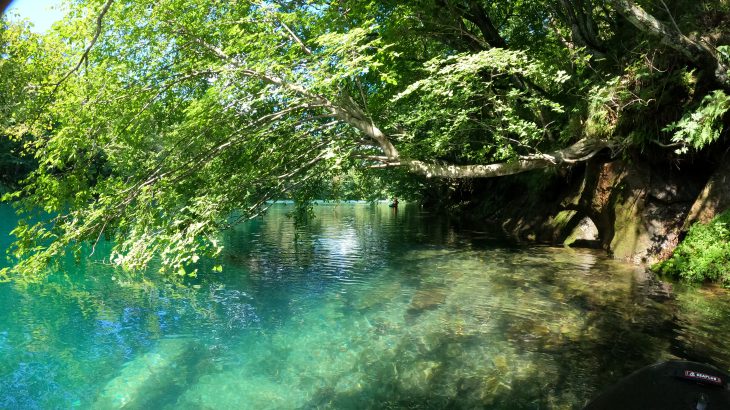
point(361, 308)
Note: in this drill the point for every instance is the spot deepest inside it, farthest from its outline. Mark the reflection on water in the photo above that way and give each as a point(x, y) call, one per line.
point(362, 308)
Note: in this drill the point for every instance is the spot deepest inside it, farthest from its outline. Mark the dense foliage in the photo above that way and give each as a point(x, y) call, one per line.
point(20, 50)
point(704, 254)
point(153, 122)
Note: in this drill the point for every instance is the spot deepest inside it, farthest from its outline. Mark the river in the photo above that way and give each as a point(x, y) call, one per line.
point(363, 307)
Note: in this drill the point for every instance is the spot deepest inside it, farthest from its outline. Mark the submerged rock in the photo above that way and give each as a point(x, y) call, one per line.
point(417, 377)
point(146, 378)
point(427, 299)
point(377, 297)
point(240, 390)
point(500, 363)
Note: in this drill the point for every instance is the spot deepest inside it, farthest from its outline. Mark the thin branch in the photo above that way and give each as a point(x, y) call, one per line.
point(85, 55)
point(388, 165)
point(672, 145)
point(98, 238)
point(296, 38)
point(322, 155)
point(161, 91)
point(378, 158)
point(676, 27)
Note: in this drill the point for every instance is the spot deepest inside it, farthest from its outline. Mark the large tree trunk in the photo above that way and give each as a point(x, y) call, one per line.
point(479, 17)
point(578, 15)
point(695, 51)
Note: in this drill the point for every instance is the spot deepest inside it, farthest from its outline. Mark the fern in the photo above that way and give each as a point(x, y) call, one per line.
point(703, 126)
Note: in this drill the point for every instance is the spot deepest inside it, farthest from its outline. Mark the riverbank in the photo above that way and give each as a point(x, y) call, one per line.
point(636, 209)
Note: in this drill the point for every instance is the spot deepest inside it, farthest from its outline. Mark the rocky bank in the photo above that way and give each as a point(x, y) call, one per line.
point(637, 208)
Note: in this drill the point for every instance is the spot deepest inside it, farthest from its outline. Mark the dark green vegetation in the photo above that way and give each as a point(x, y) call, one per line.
point(704, 253)
point(152, 122)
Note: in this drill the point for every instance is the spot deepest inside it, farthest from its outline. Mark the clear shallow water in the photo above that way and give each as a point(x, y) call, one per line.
point(362, 308)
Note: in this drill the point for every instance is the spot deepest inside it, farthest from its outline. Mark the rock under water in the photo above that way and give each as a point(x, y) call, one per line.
point(147, 377)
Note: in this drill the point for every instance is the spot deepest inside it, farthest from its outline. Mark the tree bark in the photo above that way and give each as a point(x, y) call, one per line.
point(479, 17)
point(578, 15)
point(581, 151)
point(695, 51)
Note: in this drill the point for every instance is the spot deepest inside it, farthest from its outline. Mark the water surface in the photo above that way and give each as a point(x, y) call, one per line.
point(361, 308)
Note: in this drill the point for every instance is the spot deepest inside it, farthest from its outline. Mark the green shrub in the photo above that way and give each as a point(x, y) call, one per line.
point(704, 254)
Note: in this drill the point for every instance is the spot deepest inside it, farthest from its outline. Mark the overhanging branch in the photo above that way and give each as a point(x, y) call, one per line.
point(581, 151)
point(85, 55)
point(349, 112)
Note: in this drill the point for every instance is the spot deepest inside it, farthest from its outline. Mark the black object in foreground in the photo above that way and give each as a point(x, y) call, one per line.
point(670, 385)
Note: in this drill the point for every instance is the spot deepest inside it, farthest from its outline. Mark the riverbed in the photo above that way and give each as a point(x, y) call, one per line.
point(362, 307)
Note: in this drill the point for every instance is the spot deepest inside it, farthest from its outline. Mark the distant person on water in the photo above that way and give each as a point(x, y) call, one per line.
point(394, 204)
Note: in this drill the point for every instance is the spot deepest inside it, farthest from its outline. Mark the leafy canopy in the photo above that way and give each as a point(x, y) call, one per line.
point(161, 123)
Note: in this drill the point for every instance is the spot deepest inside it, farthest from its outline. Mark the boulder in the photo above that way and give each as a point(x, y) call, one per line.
point(585, 234)
point(639, 210)
point(427, 299)
point(714, 198)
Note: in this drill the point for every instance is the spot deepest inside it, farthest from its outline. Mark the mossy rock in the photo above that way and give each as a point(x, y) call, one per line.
point(558, 226)
point(585, 232)
point(631, 239)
